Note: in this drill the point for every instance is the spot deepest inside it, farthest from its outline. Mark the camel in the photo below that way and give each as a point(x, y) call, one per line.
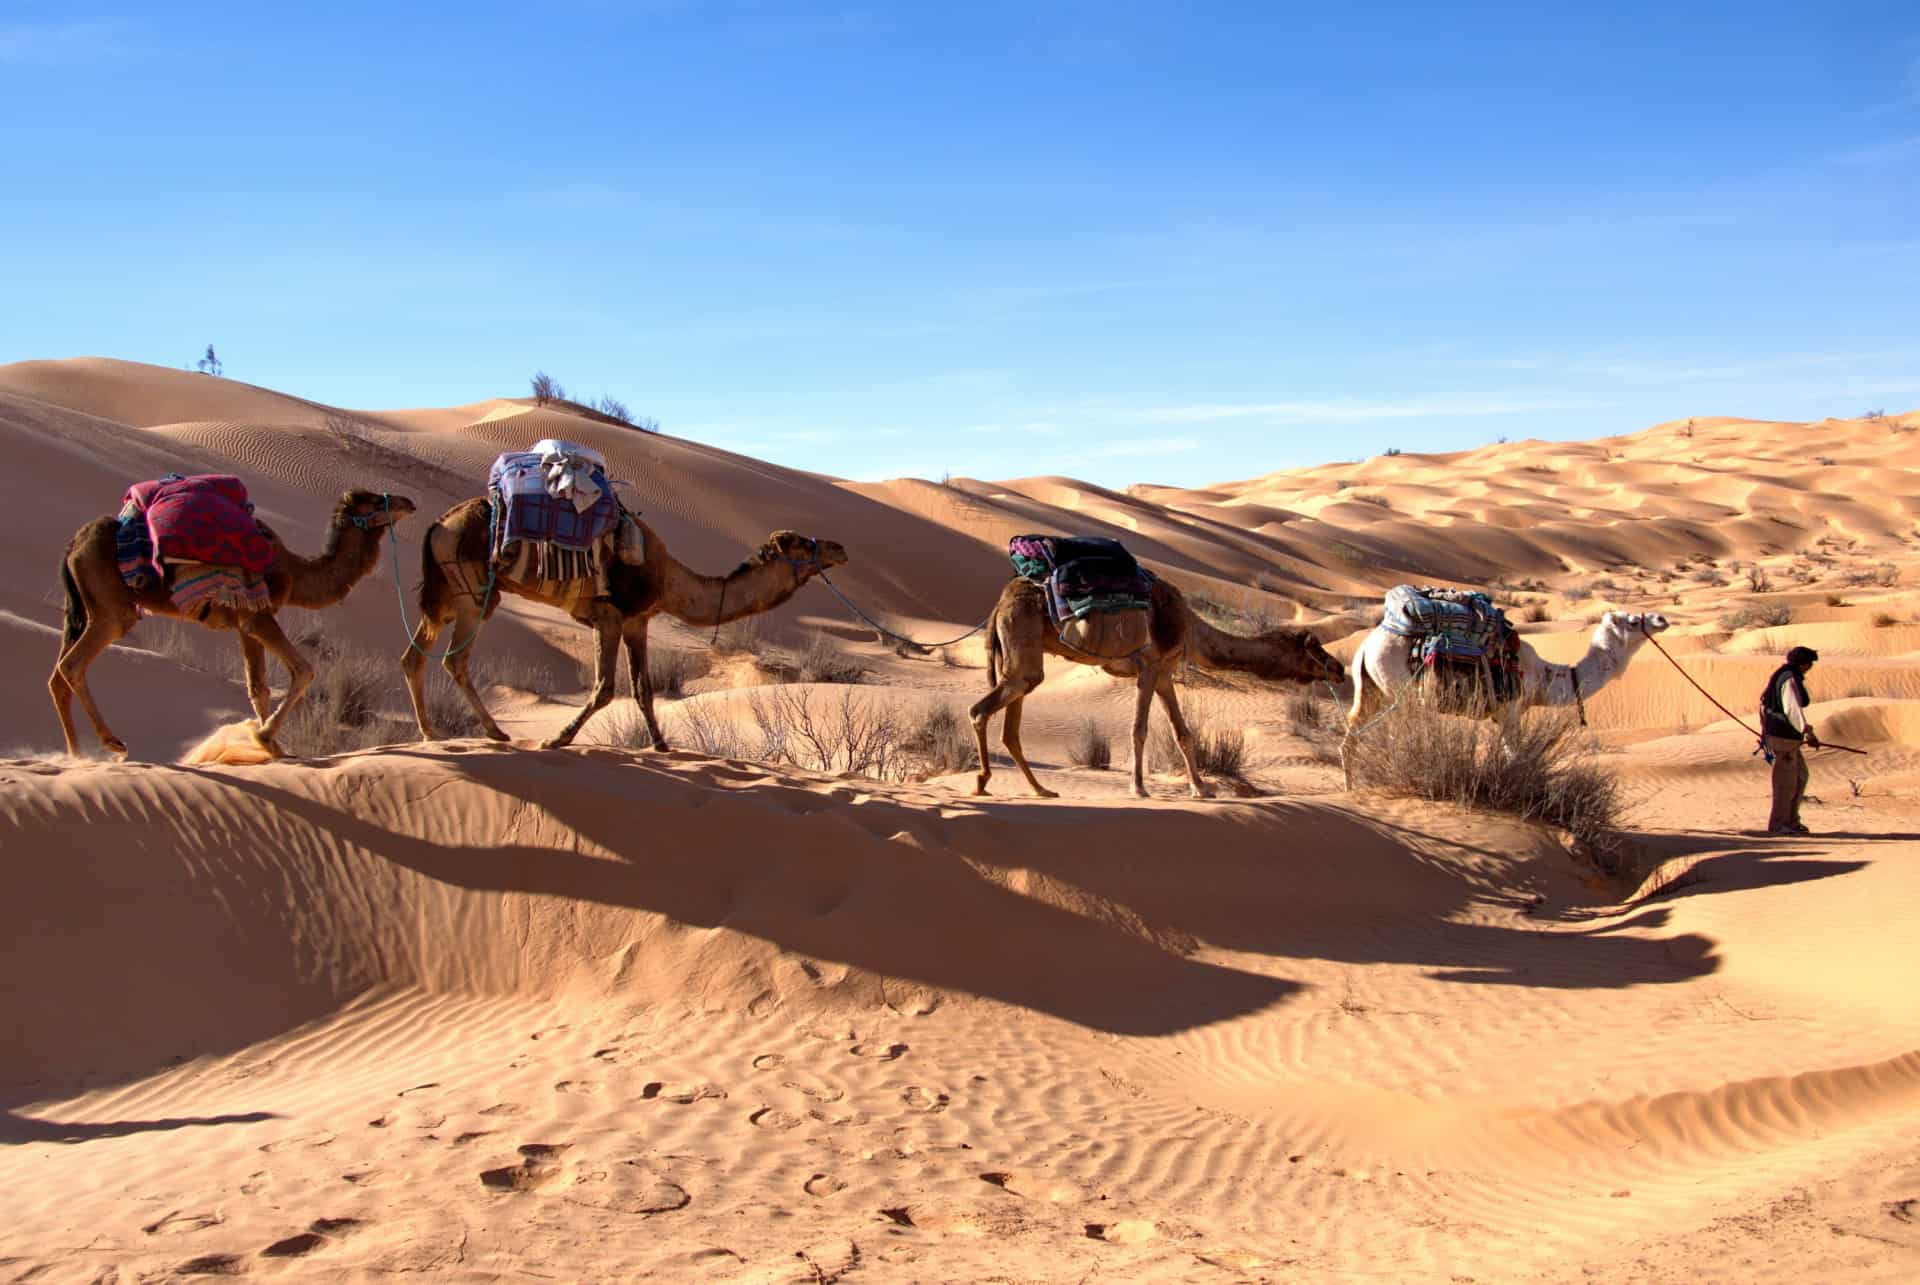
point(1147, 646)
point(462, 538)
point(101, 609)
point(1382, 666)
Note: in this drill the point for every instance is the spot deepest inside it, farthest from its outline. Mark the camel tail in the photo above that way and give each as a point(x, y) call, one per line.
point(76, 617)
point(993, 657)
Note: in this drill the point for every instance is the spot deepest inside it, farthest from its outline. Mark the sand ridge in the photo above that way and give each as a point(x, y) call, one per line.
point(490, 1012)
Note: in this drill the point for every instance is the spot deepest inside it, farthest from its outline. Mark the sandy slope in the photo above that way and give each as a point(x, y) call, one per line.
point(496, 1013)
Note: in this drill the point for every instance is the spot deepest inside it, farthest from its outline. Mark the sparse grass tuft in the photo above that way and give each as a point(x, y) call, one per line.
point(1538, 767)
point(741, 637)
point(1091, 747)
point(823, 663)
point(1835, 600)
point(1217, 751)
point(1758, 615)
point(1536, 613)
point(1884, 620)
point(938, 741)
point(668, 670)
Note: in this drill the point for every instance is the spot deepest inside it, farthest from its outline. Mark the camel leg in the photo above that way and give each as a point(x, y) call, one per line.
point(70, 679)
point(1010, 737)
point(413, 664)
point(1006, 694)
point(642, 682)
point(263, 627)
point(467, 620)
point(606, 625)
point(1142, 706)
point(1366, 699)
point(253, 658)
point(1182, 735)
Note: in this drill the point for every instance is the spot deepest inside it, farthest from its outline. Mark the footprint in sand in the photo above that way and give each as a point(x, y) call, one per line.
point(304, 1140)
point(773, 1118)
point(581, 1088)
point(878, 1050)
point(818, 1090)
point(682, 1092)
point(616, 1054)
point(1035, 1186)
point(180, 1224)
point(539, 1167)
point(629, 1187)
point(715, 1259)
point(924, 1099)
point(824, 1184)
point(372, 1177)
point(505, 1110)
point(1130, 1231)
point(474, 1136)
point(213, 1265)
point(548, 1033)
point(419, 1088)
point(767, 1061)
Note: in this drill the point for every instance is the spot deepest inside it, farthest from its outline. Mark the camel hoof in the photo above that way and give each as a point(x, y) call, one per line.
point(556, 743)
point(1202, 794)
point(495, 734)
point(115, 747)
point(1046, 794)
point(1139, 793)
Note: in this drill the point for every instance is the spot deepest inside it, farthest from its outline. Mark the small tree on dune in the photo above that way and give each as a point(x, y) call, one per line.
point(209, 364)
point(544, 389)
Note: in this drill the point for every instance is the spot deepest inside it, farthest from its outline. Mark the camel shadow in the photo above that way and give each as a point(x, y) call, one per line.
point(17, 1130)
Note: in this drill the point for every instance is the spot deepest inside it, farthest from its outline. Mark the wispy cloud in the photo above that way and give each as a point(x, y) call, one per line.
point(1350, 411)
point(63, 40)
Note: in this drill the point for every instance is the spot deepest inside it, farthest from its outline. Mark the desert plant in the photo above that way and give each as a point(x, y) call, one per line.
point(854, 735)
point(613, 408)
point(1886, 575)
point(544, 388)
point(1757, 579)
point(699, 725)
point(742, 636)
point(1758, 615)
point(1536, 613)
point(668, 670)
point(1391, 450)
point(622, 728)
point(1884, 620)
point(1577, 593)
point(1835, 600)
point(823, 663)
point(1539, 766)
point(1217, 751)
point(1091, 747)
point(209, 364)
point(938, 741)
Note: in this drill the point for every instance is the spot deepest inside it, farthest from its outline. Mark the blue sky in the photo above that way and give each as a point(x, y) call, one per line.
point(1169, 242)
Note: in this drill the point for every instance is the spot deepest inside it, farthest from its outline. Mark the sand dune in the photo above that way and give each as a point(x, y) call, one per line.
point(488, 1012)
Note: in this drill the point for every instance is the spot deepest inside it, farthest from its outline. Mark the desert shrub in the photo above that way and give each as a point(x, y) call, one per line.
point(1706, 575)
point(699, 725)
point(1391, 450)
point(1577, 593)
point(1886, 575)
point(1307, 712)
point(938, 741)
point(855, 735)
point(821, 662)
point(1217, 751)
point(1757, 579)
point(1758, 615)
point(1824, 461)
point(1091, 746)
point(621, 727)
point(669, 669)
point(1538, 767)
point(742, 636)
point(1536, 613)
point(1883, 620)
point(1835, 600)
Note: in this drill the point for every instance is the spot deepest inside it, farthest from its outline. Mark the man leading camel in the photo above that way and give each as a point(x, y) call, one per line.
point(1787, 734)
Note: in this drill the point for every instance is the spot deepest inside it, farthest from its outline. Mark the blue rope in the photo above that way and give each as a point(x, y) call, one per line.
point(493, 516)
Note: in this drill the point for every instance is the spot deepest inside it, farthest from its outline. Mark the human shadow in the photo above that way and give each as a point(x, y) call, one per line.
point(17, 1130)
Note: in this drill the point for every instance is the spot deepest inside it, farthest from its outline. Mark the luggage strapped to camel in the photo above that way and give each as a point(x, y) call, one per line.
point(1081, 575)
point(1459, 636)
point(556, 521)
point(195, 537)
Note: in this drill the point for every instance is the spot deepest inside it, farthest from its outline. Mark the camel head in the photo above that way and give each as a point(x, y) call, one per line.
point(1634, 625)
point(804, 554)
point(371, 510)
point(1297, 655)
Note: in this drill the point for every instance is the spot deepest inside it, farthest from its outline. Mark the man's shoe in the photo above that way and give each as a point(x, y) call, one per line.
point(1797, 828)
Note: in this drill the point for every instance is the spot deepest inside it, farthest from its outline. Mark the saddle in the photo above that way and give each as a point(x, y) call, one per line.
point(1462, 642)
point(1081, 575)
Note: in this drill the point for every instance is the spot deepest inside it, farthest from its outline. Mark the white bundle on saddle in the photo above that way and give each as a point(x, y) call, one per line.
point(567, 468)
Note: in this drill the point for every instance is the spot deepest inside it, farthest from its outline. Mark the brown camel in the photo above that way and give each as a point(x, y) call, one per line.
point(635, 595)
point(1147, 646)
point(101, 609)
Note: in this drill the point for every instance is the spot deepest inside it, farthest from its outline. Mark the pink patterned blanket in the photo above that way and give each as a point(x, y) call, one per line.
point(206, 518)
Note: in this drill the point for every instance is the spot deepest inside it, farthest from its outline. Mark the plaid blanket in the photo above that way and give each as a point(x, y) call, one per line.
point(1458, 635)
point(532, 513)
point(198, 587)
point(205, 518)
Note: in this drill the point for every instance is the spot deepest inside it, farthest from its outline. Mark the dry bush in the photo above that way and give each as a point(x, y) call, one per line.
point(1091, 746)
point(1706, 575)
point(1217, 751)
point(669, 669)
point(1886, 575)
point(857, 735)
point(1307, 712)
point(1758, 615)
point(1883, 620)
point(938, 741)
point(1577, 593)
point(1757, 579)
point(1835, 600)
point(1536, 612)
point(623, 728)
point(823, 663)
point(1538, 767)
point(742, 636)
point(699, 725)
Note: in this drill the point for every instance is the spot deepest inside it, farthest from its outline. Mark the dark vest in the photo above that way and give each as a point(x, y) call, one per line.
point(1773, 709)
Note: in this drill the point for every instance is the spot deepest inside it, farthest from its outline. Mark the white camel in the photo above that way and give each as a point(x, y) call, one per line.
point(1382, 669)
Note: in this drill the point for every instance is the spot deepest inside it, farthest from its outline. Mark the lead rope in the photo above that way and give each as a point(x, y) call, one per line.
point(1760, 741)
